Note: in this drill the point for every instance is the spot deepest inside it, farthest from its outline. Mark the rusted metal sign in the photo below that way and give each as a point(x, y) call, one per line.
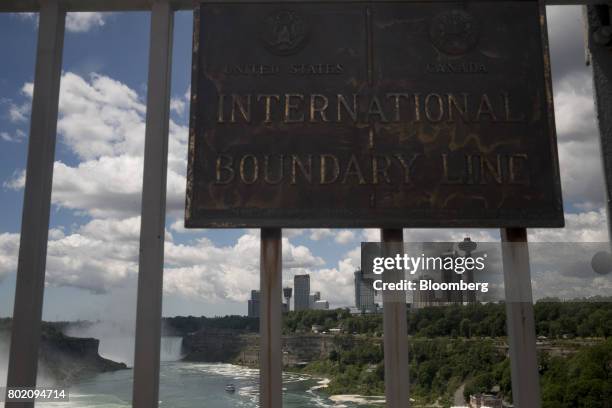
point(375, 114)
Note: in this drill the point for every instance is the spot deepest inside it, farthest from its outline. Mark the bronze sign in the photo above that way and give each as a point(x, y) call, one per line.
point(342, 114)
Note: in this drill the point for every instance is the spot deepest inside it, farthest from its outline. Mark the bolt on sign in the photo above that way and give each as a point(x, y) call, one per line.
point(352, 114)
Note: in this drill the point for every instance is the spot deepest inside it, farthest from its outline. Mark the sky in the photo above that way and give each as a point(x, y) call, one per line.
point(92, 256)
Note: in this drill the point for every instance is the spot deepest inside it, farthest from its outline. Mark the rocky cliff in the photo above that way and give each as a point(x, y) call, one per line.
point(235, 346)
point(67, 359)
point(64, 359)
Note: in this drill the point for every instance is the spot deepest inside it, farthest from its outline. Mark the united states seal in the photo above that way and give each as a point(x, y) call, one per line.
point(284, 32)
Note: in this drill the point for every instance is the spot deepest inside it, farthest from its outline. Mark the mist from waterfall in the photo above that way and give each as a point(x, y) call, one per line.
point(171, 348)
point(117, 341)
point(4, 354)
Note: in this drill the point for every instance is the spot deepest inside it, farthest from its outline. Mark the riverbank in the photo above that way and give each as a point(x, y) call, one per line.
point(358, 399)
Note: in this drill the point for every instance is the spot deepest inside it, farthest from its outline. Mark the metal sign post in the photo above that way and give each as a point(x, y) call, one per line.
point(270, 319)
point(395, 329)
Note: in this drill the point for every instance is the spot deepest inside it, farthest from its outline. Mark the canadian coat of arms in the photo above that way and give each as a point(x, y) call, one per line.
point(454, 32)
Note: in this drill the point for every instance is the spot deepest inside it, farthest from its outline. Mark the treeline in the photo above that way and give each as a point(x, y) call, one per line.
point(303, 320)
point(553, 318)
point(183, 325)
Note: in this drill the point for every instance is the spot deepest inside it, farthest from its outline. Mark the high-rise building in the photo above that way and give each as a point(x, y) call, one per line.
point(467, 246)
point(423, 298)
point(320, 305)
point(254, 304)
point(364, 293)
point(287, 292)
point(301, 287)
point(313, 298)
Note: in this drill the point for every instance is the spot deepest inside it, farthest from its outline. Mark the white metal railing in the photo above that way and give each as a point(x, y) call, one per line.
point(35, 224)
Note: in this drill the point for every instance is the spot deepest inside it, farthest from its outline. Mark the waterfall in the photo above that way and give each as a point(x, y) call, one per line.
point(171, 348)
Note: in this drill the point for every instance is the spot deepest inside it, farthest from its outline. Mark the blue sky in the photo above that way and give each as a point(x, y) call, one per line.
point(94, 221)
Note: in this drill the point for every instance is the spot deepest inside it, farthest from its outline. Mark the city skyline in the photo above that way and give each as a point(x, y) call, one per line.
point(306, 299)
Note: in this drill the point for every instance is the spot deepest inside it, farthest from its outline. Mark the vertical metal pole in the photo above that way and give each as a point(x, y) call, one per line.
point(153, 218)
point(520, 319)
point(395, 329)
point(27, 313)
point(270, 355)
point(600, 50)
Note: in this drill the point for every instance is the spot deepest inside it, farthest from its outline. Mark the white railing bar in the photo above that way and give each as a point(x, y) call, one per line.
point(153, 215)
point(520, 321)
point(27, 313)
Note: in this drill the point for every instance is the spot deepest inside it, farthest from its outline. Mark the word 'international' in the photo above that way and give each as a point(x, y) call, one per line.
point(393, 107)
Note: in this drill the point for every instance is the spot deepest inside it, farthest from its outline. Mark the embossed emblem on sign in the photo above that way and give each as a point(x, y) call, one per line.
point(454, 32)
point(285, 32)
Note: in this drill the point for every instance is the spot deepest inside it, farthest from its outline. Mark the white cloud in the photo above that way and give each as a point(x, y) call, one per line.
point(18, 137)
point(19, 113)
point(177, 105)
point(565, 31)
point(56, 233)
point(102, 121)
point(28, 89)
point(77, 22)
point(435, 235)
point(105, 187)
point(575, 106)
point(103, 254)
point(16, 181)
point(100, 117)
point(317, 234)
point(84, 21)
point(344, 236)
point(370, 235)
point(339, 236)
point(588, 226)
point(9, 247)
point(581, 174)
point(337, 284)
point(292, 232)
point(179, 226)
point(579, 147)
